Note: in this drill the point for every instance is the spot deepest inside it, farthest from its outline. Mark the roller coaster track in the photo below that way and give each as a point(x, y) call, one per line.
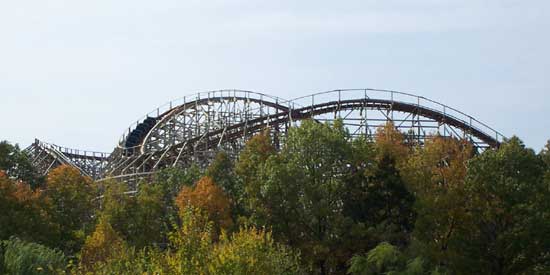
point(194, 128)
point(46, 156)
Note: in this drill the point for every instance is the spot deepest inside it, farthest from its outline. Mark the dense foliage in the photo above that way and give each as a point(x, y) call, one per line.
point(23, 258)
point(323, 203)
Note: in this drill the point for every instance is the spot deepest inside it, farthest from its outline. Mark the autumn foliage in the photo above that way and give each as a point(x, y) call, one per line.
point(391, 142)
point(102, 245)
point(320, 202)
point(210, 198)
point(25, 212)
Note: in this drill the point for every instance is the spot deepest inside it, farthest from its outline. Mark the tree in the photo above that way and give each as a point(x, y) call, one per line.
point(22, 258)
point(16, 164)
point(25, 213)
point(251, 159)
point(103, 245)
point(130, 261)
point(140, 219)
point(545, 155)
point(152, 222)
point(71, 195)
point(327, 195)
point(191, 244)
point(211, 199)
point(389, 141)
point(276, 203)
point(298, 191)
point(173, 179)
point(389, 202)
point(388, 259)
point(251, 251)
point(508, 213)
point(221, 170)
point(256, 152)
point(377, 205)
point(383, 259)
point(118, 209)
point(436, 174)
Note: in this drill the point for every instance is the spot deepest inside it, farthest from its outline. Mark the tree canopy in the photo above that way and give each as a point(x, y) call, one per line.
point(320, 202)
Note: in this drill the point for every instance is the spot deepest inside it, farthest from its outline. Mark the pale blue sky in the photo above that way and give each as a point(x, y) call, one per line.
point(77, 73)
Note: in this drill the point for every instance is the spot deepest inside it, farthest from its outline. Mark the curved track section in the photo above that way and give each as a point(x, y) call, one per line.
point(190, 121)
point(193, 131)
point(194, 128)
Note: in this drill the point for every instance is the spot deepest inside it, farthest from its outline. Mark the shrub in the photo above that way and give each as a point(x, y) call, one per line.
point(22, 258)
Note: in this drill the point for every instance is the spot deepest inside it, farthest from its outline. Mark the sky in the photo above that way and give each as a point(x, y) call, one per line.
point(77, 73)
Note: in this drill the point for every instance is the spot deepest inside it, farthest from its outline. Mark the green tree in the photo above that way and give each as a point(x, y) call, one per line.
point(23, 258)
point(383, 259)
point(377, 205)
point(389, 202)
point(297, 192)
point(173, 179)
point(222, 171)
point(248, 167)
point(327, 195)
point(376, 193)
point(119, 209)
point(151, 217)
point(140, 218)
point(509, 215)
point(545, 155)
point(359, 229)
point(256, 152)
point(388, 259)
point(16, 164)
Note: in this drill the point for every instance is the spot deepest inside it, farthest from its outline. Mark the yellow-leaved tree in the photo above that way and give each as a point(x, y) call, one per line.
point(436, 174)
point(103, 245)
point(252, 251)
point(390, 142)
point(71, 195)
